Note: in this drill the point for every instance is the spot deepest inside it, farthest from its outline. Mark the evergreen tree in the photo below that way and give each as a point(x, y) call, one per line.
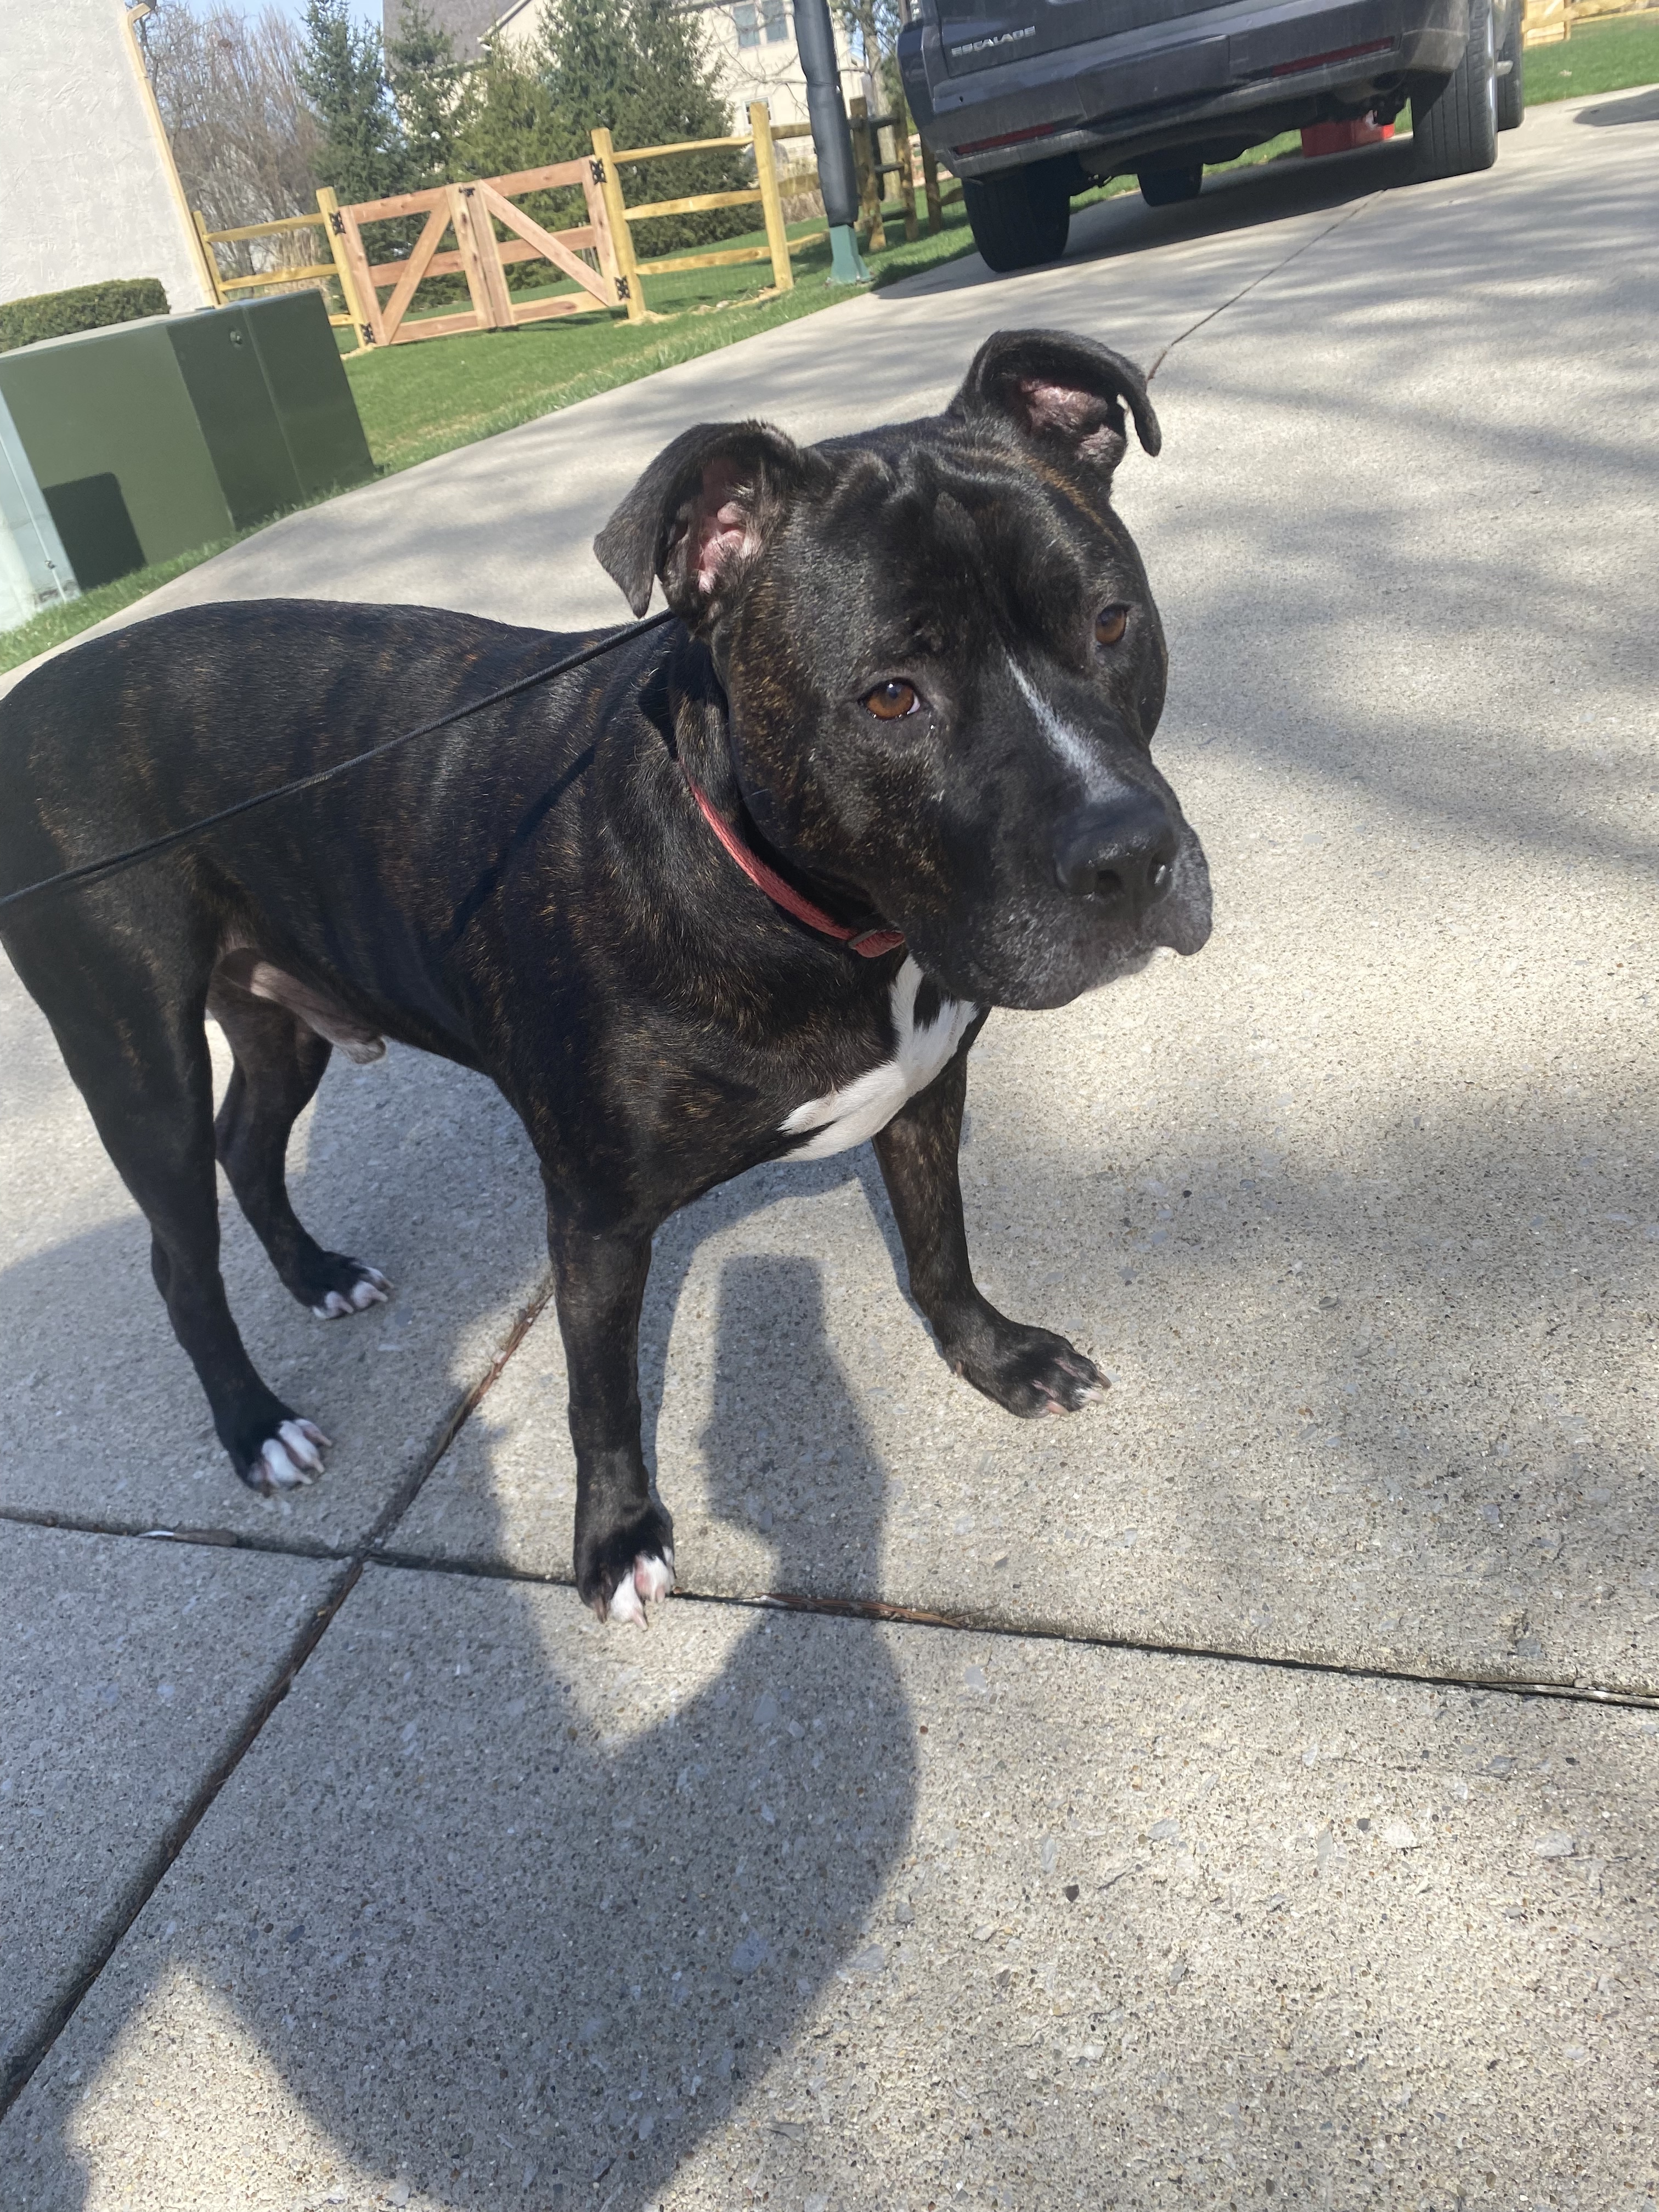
point(427, 85)
point(341, 71)
point(507, 123)
point(640, 69)
point(582, 55)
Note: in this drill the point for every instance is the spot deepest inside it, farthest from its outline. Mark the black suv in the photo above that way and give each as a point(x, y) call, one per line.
point(1030, 102)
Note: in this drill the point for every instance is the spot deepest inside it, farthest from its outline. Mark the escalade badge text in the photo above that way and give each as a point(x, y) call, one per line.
point(1002, 38)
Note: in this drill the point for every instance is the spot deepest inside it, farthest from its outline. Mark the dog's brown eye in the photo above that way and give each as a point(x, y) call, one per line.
point(891, 700)
point(1110, 624)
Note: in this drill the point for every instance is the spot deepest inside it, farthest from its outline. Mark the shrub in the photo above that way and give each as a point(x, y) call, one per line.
point(86, 307)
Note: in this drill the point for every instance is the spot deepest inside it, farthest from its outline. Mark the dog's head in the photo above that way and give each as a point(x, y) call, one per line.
point(943, 666)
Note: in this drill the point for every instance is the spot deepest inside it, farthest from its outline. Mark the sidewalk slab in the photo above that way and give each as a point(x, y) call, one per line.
point(131, 1671)
point(500, 1910)
point(420, 1168)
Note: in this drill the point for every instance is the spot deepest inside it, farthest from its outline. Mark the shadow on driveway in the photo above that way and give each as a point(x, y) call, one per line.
point(1644, 108)
point(1235, 199)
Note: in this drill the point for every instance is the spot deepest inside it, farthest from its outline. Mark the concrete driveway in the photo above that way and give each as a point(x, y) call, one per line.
point(1243, 1792)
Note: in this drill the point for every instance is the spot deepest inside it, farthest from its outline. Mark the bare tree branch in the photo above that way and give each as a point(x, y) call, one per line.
point(242, 135)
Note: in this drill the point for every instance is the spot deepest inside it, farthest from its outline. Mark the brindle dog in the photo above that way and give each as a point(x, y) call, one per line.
point(914, 673)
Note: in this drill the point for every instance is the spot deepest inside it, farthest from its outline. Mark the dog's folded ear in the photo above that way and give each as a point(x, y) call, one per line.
point(700, 514)
point(1053, 387)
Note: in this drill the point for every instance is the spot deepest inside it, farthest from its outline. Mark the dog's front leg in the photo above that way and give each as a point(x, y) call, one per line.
point(624, 1540)
point(1029, 1371)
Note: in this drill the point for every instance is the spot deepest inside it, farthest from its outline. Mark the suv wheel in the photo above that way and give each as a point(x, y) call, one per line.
point(1455, 126)
point(1022, 218)
point(1511, 84)
point(1166, 187)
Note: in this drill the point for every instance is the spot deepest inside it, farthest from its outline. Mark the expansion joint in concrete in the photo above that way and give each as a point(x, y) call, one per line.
point(977, 1624)
point(311, 1633)
point(174, 1839)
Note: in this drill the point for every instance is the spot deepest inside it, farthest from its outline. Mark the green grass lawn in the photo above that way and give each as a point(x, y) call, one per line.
point(1604, 57)
point(416, 401)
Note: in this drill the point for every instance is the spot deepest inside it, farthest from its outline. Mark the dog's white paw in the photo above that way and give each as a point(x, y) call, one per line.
point(371, 1289)
point(288, 1460)
point(652, 1578)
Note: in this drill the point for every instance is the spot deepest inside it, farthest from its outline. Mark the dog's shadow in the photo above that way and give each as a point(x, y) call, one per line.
point(510, 1903)
point(757, 1335)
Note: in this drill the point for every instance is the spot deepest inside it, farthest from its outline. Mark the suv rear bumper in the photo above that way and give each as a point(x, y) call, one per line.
point(1246, 69)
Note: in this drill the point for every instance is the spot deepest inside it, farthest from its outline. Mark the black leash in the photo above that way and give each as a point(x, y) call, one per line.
point(129, 859)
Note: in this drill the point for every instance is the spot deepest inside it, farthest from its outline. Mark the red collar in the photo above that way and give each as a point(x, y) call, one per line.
point(868, 944)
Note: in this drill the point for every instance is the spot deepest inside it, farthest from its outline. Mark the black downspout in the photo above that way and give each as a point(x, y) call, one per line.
point(832, 141)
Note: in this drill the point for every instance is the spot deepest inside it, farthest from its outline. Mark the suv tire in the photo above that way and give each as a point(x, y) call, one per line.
point(1512, 86)
point(1020, 219)
point(1168, 187)
point(1455, 125)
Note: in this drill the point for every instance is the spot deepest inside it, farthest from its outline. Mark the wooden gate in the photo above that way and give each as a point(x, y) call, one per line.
point(470, 213)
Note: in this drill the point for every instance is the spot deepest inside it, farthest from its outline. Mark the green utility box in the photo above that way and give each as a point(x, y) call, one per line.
point(156, 437)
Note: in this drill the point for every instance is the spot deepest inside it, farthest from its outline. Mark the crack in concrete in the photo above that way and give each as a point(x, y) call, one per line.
point(229, 1539)
point(371, 1552)
point(1295, 254)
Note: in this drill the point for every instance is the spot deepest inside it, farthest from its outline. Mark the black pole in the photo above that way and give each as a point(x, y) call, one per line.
point(832, 141)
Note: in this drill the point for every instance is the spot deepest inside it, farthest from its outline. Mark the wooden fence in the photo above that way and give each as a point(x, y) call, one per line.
point(327, 219)
point(598, 256)
point(1545, 22)
point(764, 195)
point(470, 213)
point(871, 169)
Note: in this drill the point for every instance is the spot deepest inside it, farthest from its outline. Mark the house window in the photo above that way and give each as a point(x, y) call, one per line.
point(776, 21)
point(746, 16)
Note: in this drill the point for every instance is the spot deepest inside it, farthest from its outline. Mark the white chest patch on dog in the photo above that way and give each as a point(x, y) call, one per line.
point(843, 1118)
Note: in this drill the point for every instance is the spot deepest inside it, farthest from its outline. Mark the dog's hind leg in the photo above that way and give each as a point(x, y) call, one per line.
point(279, 1064)
point(128, 1023)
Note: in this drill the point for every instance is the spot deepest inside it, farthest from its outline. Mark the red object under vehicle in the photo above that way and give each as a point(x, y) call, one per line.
point(1342, 138)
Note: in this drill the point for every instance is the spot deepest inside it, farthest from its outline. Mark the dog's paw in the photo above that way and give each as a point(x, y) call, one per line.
point(357, 1287)
point(632, 1568)
point(286, 1459)
point(1031, 1371)
point(651, 1578)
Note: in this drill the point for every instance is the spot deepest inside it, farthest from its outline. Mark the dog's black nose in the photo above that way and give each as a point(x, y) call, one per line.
point(1123, 853)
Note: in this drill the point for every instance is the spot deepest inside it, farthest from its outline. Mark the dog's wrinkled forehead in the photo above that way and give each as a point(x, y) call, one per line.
point(961, 501)
point(1041, 406)
point(936, 547)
